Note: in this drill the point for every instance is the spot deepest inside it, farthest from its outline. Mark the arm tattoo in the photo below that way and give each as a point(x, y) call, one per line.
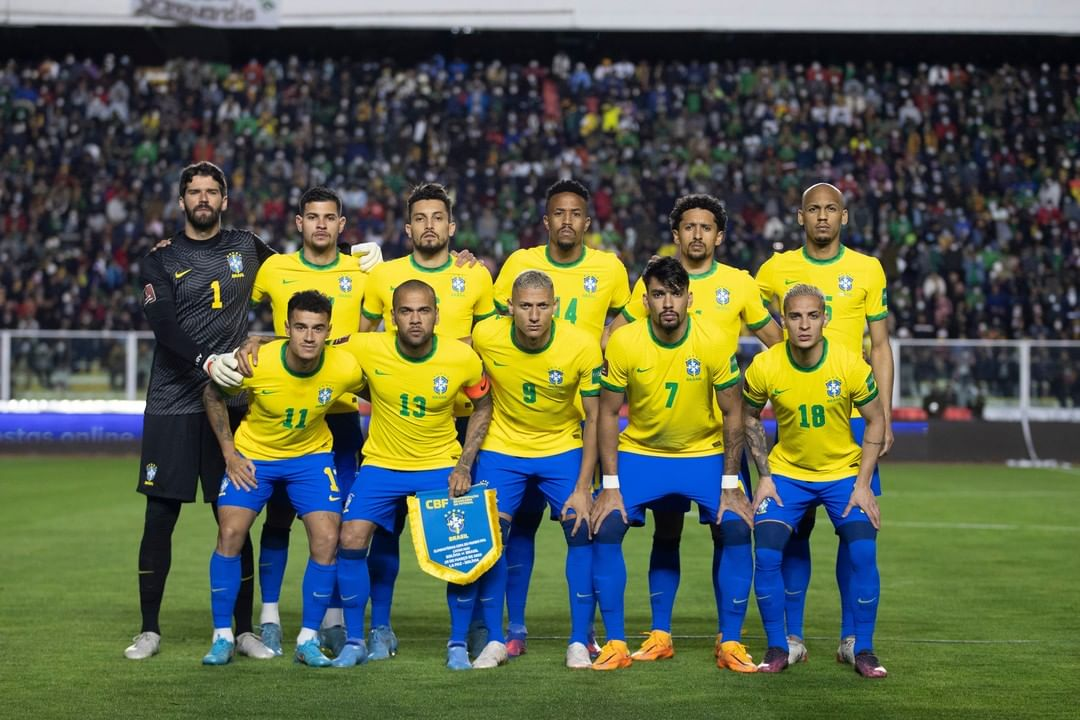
point(734, 437)
point(475, 432)
point(755, 439)
point(217, 414)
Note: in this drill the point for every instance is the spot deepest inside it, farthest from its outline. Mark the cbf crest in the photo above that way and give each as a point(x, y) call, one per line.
point(151, 473)
point(455, 521)
point(555, 377)
point(693, 367)
point(344, 283)
point(457, 284)
point(236, 264)
point(440, 384)
point(590, 284)
point(846, 283)
point(326, 394)
point(833, 388)
point(723, 296)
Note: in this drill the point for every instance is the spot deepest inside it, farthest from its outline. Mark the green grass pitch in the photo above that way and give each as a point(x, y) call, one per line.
point(980, 571)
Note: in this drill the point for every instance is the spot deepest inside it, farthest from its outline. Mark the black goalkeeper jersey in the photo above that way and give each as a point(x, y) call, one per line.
point(204, 288)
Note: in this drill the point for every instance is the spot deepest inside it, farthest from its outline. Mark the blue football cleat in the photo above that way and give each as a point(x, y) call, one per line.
point(332, 639)
point(271, 637)
point(311, 655)
point(351, 655)
point(382, 643)
point(457, 658)
point(221, 652)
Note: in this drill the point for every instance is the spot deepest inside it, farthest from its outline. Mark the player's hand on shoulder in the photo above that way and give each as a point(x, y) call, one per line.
point(162, 243)
point(241, 471)
point(223, 369)
point(607, 502)
point(369, 255)
point(736, 501)
point(247, 355)
point(577, 508)
point(464, 257)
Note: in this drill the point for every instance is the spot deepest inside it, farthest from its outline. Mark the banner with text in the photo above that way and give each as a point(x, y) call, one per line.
point(213, 13)
point(456, 539)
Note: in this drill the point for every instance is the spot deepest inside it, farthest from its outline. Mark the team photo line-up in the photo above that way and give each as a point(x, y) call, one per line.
point(514, 385)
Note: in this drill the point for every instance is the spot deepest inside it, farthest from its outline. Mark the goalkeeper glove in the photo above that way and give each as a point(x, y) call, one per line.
point(368, 253)
point(223, 369)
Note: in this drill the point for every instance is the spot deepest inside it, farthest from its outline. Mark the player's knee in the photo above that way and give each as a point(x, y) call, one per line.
point(231, 537)
point(578, 539)
point(353, 537)
point(611, 530)
point(731, 534)
point(854, 531)
point(161, 516)
point(526, 523)
point(771, 536)
point(274, 538)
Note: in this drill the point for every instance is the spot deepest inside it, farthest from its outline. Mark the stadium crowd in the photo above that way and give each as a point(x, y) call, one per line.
point(963, 180)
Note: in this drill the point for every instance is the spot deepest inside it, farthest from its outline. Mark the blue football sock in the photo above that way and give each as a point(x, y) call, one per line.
point(318, 587)
point(609, 575)
point(491, 589)
point(664, 572)
point(736, 573)
point(355, 586)
point(273, 556)
point(843, 582)
point(224, 587)
point(461, 599)
point(579, 581)
point(717, 555)
point(384, 562)
point(796, 576)
point(865, 588)
point(520, 556)
point(769, 588)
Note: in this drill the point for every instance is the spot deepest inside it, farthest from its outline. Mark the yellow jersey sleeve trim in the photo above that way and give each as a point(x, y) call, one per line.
point(730, 383)
point(879, 316)
point(759, 325)
point(613, 388)
point(750, 401)
point(868, 399)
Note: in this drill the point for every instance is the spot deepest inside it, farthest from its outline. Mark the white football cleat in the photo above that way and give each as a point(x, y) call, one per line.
point(493, 655)
point(144, 645)
point(577, 657)
point(248, 644)
point(846, 652)
point(796, 650)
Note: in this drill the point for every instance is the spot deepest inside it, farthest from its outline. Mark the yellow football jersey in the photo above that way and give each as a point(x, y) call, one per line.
point(812, 407)
point(853, 283)
point(723, 296)
point(281, 276)
point(584, 290)
point(412, 401)
point(463, 294)
point(534, 391)
point(285, 417)
point(670, 388)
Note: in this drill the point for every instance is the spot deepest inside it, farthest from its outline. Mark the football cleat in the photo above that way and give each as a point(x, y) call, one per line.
point(867, 665)
point(311, 654)
point(591, 645)
point(221, 652)
point(351, 655)
point(613, 656)
point(493, 655)
point(733, 656)
point(271, 637)
point(716, 645)
point(477, 638)
point(143, 645)
point(657, 646)
point(253, 647)
point(382, 643)
point(457, 658)
point(332, 639)
point(796, 650)
point(577, 656)
point(517, 637)
point(846, 652)
point(776, 660)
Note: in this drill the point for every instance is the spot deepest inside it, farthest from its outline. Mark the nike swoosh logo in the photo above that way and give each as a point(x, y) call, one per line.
point(641, 370)
point(498, 364)
point(181, 273)
point(655, 594)
point(790, 282)
point(322, 595)
point(780, 392)
point(739, 602)
point(347, 598)
point(267, 392)
point(866, 602)
point(334, 499)
point(287, 282)
point(214, 590)
point(380, 372)
point(586, 595)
